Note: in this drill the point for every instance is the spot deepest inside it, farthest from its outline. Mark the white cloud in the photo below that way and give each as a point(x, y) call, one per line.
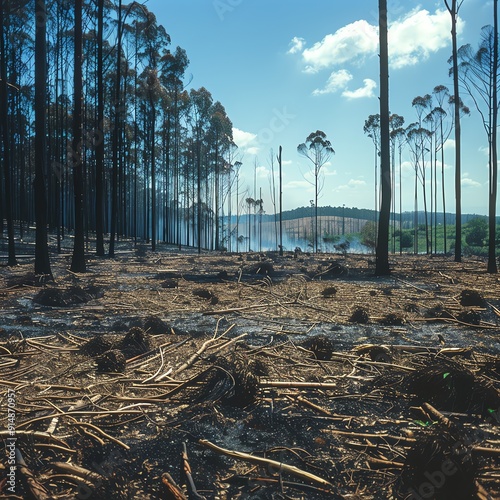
point(262, 172)
point(299, 185)
point(296, 45)
point(415, 36)
point(467, 182)
point(408, 169)
point(346, 44)
point(246, 141)
point(365, 91)
point(449, 144)
point(412, 39)
point(356, 183)
point(286, 162)
point(241, 138)
point(338, 80)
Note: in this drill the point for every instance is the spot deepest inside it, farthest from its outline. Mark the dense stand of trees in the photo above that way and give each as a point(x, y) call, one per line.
point(100, 136)
point(100, 140)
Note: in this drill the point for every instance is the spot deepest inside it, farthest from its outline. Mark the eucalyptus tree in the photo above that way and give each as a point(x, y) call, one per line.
point(318, 150)
point(59, 117)
point(155, 41)
point(18, 45)
point(382, 251)
point(413, 136)
point(118, 114)
point(78, 264)
point(432, 124)
point(478, 73)
point(42, 261)
point(221, 138)
point(396, 123)
point(99, 146)
point(453, 7)
point(423, 136)
point(372, 129)
point(272, 193)
point(155, 92)
point(173, 66)
point(440, 113)
point(201, 102)
point(4, 124)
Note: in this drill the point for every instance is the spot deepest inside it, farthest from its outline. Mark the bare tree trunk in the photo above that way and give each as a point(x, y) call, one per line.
point(42, 261)
point(492, 263)
point(6, 144)
point(118, 111)
point(78, 260)
point(458, 187)
point(281, 202)
point(382, 254)
point(99, 149)
point(153, 178)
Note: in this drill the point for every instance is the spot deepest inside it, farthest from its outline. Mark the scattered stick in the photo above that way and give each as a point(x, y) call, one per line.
point(170, 490)
point(292, 384)
point(309, 404)
point(103, 434)
point(377, 463)
point(77, 471)
point(202, 349)
point(278, 466)
point(186, 473)
point(37, 490)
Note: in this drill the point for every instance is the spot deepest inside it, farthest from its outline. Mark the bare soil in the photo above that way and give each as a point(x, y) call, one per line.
point(175, 375)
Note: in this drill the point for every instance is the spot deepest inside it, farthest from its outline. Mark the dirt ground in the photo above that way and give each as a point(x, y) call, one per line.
point(225, 376)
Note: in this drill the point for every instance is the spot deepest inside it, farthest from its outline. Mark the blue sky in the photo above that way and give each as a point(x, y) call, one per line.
point(285, 68)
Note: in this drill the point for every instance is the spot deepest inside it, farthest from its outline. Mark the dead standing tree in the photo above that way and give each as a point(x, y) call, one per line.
point(42, 262)
point(382, 253)
point(453, 7)
point(78, 264)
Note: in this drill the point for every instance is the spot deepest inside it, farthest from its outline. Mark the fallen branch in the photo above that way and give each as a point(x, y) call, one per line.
point(37, 490)
point(273, 464)
point(377, 463)
point(186, 473)
point(192, 360)
point(103, 434)
point(170, 490)
point(77, 471)
point(292, 384)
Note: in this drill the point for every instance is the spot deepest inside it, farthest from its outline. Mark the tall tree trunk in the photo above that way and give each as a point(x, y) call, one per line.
point(281, 202)
point(445, 245)
point(118, 111)
point(453, 9)
point(99, 148)
point(382, 255)
point(78, 264)
point(153, 178)
point(492, 263)
point(6, 144)
point(42, 261)
point(198, 193)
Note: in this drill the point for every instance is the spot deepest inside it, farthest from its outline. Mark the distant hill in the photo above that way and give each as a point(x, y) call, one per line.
point(407, 218)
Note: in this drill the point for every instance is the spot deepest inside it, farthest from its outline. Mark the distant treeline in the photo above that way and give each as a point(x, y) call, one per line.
point(407, 218)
